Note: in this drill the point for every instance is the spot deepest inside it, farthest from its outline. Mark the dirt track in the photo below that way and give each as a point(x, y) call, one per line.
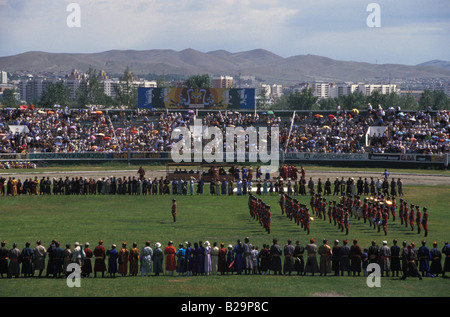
point(408, 179)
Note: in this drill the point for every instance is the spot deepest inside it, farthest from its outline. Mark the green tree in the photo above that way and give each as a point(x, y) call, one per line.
point(9, 98)
point(435, 99)
point(127, 93)
point(304, 100)
point(55, 93)
point(198, 81)
point(90, 91)
point(353, 100)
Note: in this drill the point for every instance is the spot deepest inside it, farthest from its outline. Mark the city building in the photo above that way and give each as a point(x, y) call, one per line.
point(222, 82)
point(3, 77)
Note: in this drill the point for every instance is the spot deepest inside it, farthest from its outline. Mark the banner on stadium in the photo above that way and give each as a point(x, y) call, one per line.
point(196, 98)
point(411, 157)
point(326, 156)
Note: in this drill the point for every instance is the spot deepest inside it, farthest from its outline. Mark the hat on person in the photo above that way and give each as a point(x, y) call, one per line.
point(157, 244)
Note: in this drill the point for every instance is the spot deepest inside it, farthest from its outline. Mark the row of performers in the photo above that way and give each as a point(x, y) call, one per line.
point(260, 211)
point(374, 210)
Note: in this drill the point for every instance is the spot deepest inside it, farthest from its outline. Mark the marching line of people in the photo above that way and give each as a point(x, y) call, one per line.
point(203, 259)
point(374, 210)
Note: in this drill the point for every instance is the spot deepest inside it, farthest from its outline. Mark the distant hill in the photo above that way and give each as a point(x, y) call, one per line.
point(258, 62)
point(437, 63)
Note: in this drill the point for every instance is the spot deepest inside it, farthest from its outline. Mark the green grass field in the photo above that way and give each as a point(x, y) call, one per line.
point(116, 219)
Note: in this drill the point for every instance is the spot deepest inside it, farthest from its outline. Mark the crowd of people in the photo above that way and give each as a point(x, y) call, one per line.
point(91, 130)
point(17, 165)
point(423, 132)
point(203, 259)
point(290, 180)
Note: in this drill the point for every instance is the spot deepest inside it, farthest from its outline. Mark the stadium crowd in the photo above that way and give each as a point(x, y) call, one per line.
point(202, 258)
point(85, 130)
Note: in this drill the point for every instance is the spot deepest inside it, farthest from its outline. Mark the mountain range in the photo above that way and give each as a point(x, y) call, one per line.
point(262, 64)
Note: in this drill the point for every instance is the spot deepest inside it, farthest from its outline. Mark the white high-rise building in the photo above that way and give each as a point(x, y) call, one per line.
point(277, 91)
point(321, 89)
point(3, 77)
point(368, 89)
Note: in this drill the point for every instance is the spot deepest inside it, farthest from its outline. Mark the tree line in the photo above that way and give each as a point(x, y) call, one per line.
point(305, 100)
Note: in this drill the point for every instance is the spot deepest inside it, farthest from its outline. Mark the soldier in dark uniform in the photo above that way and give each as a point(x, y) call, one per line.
point(335, 258)
point(288, 257)
point(436, 257)
point(446, 253)
point(373, 252)
point(275, 253)
point(3, 259)
point(395, 258)
point(355, 257)
point(299, 262)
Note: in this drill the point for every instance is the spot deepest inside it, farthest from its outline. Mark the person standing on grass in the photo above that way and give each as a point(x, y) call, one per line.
point(113, 255)
point(67, 258)
point(3, 259)
point(275, 256)
point(335, 258)
point(299, 263)
point(145, 258)
point(100, 255)
point(288, 257)
point(311, 263)
point(344, 258)
point(355, 258)
point(134, 259)
point(425, 221)
point(424, 259)
point(87, 264)
point(181, 259)
point(384, 257)
point(208, 263)
point(255, 260)
point(222, 259)
point(39, 257)
point(158, 257)
point(248, 259)
point(26, 257)
point(14, 258)
point(57, 259)
point(123, 259)
point(436, 257)
point(189, 258)
point(446, 252)
point(395, 259)
point(171, 263)
point(78, 255)
point(174, 210)
point(214, 258)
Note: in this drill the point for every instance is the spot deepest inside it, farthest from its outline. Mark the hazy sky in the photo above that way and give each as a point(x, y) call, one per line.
point(411, 31)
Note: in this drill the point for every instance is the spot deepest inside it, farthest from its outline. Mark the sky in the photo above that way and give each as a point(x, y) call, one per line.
point(399, 31)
